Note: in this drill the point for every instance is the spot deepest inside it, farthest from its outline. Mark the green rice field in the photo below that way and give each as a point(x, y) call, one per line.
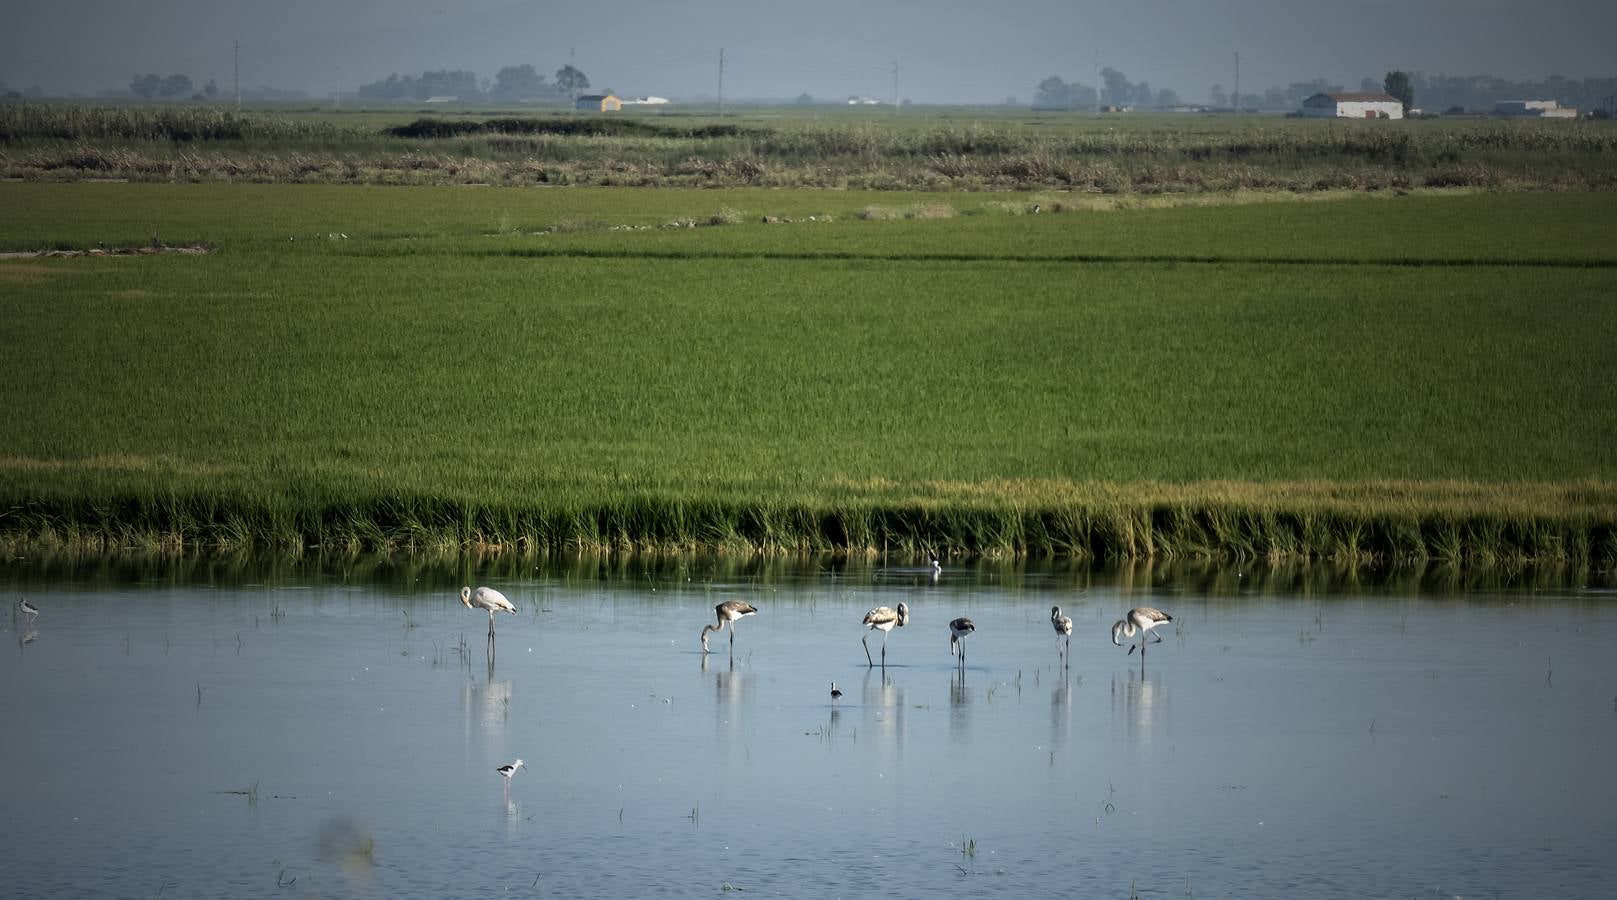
point(450, 367)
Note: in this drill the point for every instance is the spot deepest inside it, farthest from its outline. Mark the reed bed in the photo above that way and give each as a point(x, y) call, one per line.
point(1143, 155)
point(1456, 525)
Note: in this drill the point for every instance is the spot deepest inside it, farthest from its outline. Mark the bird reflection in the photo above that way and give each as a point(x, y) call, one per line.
point(488, 703)
point(1140, 700)
point(884, 707)
point(959, 707)
point(1061, 712)
point(958, 694)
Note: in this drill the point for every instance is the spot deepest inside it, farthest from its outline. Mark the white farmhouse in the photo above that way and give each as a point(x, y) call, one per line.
point(1373, 105)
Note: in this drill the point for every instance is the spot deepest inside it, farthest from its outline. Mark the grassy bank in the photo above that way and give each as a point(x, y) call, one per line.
point(1144, 154)
point(1415, 378)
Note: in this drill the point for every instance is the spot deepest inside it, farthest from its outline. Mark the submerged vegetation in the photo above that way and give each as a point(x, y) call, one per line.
point(919, 151)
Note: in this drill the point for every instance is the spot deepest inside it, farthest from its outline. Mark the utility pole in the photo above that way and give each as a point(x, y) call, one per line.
point(1237, 103)
point(1097, 82)
point(895, 85)
point(721, 82)
point(238, 76)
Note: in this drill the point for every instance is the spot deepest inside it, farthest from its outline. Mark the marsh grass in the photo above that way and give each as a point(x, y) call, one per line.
point(1146, 155)
point(433, 395)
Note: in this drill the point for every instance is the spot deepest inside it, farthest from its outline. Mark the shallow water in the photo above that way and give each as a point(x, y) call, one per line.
point(1280, 741)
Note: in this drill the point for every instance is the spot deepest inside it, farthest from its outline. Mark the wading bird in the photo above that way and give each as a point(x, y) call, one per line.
point(937, 568)
point(835, 693)
point(1139, 620)
point(27, 609)
point(509, 770)
point(1063, 628)
point(958, 629)
point(728, 612)
point(886, 619)
point(489, 599)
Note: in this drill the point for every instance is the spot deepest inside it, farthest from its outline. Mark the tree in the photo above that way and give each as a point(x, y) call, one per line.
point(518, 83)
point(805, 99)
point(1397, 84)
point(571, 81)
point(176, 86)
point(211, 89)
point(1167, 98)
point(1052, 93)
point(145, 85)
point(1218, 97)
point(1118, 89)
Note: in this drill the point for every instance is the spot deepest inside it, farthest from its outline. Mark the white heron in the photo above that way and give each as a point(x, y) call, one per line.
point(958, 629)
point(1139, 620)
point(489, 599)
point(1063, 629)
point(885, 619)
point(728, 612)
point(937, 568)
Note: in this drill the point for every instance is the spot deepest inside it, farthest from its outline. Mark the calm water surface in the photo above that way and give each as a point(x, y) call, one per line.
point(337, 736)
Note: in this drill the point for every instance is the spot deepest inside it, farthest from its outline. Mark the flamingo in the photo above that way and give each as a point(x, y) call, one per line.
point(958, 629)
point(489, 599)
point(1063, 628)
point(885, 619)
point(728, 612)
point(1139, 620)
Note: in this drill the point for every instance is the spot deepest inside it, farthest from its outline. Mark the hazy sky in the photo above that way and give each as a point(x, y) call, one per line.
point(947, 50)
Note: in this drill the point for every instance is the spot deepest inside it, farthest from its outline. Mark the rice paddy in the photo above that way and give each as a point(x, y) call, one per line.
point(367, 368)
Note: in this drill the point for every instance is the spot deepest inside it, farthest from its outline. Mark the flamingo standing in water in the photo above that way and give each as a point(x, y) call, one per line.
point(886, 619)
point(958, 629)
point(1139, 620)
point(728, 612)
point(489, 599)
point(1063, 628)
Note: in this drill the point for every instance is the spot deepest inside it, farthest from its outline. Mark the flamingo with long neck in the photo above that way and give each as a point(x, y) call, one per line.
point(958, 629)
point(728, 612)
point(1139, 620)
point(1063, 629)
point(885, 619)
point(489, 599)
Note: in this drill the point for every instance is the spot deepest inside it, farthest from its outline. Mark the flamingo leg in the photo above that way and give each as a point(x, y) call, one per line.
point(732, 637)
point(866, 642)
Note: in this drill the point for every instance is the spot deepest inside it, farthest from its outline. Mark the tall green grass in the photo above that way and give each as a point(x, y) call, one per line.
point(908, 386)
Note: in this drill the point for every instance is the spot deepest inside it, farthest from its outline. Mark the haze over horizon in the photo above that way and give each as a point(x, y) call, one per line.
point(947, 51)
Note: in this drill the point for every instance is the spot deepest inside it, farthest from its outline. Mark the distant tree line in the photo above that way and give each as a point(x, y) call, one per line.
point(1480, 92)
point(1431, 92)
point(174, 86)
point(1117, 90)
point(510, 84)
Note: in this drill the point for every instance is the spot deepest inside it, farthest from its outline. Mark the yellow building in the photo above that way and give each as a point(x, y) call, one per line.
point(598, 103)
